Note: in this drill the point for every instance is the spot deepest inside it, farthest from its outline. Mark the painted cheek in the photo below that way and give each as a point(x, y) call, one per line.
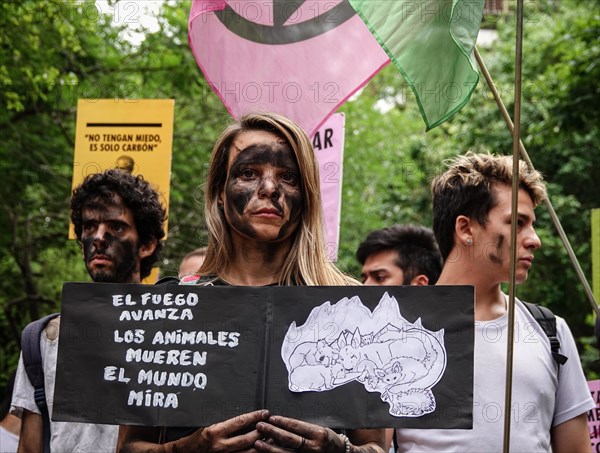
point(293, 200)
point(87, 244)
point(126, 255)
point(238, 197)
point(497, 257)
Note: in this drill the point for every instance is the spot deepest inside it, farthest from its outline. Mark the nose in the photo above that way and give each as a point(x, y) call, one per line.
point(269, 187)
point(532, 240)
point(100, 235)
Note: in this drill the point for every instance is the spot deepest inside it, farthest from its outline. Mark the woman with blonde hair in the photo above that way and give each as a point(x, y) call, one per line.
point(305, 262)
point(264, 216)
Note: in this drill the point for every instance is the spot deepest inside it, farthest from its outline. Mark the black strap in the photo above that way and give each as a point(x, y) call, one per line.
point(32, 360)
point(168, 281)
point(547, 321)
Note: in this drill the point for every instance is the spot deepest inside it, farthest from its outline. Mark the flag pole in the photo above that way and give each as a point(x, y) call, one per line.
point(513, 227)
point(525, 156)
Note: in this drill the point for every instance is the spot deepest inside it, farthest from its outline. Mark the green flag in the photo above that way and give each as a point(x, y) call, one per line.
point(431, 43)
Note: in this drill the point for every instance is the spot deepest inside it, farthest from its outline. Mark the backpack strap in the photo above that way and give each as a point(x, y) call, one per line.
point(32, 360)
point(547, 321)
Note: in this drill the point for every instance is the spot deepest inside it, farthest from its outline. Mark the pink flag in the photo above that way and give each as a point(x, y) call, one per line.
point(299, 58)
point(328, 143)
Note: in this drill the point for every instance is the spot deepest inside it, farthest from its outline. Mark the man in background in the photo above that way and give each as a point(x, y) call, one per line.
point(192, 261)
point(118, 221)
point(400, 255)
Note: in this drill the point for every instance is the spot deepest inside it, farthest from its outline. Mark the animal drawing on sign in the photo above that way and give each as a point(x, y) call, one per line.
point(391, 375)
point(410, 403)
point(314, 377)
point(401, 361)
point(312, 353)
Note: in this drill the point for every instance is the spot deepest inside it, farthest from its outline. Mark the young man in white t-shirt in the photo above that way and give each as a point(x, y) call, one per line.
point(472, 224)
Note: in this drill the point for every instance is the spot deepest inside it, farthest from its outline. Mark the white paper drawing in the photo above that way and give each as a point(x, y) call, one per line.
point(347, 342)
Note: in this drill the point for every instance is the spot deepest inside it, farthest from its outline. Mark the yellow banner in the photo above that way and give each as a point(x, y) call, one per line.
point(131, 134)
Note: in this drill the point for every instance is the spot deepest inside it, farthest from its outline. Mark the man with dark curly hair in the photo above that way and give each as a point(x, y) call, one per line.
point(118, 221)
point(130, 209)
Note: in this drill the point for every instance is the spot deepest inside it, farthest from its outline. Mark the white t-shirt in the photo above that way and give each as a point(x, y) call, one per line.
point(542, 397)
point(65, 437)
point(8, 441)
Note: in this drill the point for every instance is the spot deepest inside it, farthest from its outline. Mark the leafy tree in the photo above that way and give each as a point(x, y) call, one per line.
point(51, 53)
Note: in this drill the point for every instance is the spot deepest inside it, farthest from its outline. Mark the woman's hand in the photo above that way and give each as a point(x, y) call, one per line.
point(287, 434)
point(282, 434)
point(235, 434)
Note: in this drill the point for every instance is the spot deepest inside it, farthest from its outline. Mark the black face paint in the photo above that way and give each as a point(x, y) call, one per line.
point(497, 257)
point(110, 242)
point(248, 186)
point(121, 253)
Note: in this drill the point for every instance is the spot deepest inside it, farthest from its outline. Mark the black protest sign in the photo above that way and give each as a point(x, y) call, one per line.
point(343, 357)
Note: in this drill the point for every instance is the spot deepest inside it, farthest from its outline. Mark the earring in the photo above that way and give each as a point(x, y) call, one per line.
point(220, 204)
point(469, 241)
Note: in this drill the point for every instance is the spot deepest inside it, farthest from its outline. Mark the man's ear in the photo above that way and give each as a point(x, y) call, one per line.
point(420, 280)
point(147, 249)
point(463, 230)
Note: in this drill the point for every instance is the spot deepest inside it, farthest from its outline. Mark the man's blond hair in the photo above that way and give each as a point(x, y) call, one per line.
point(467, 188)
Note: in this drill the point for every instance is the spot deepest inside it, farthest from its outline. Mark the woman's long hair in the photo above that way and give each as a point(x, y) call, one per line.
point(306, 263)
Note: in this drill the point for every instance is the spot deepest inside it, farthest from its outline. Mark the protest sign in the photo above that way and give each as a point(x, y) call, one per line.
point(176, 355)
point(594, 415)
point(135, 135)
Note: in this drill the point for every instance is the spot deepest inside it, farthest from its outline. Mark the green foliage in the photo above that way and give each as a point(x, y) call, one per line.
point(49, 51)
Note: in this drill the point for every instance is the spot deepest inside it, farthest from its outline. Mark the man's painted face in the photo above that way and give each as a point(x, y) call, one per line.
point(381, 268)
point(110, 242)
point(493, 239)
point(262, 198)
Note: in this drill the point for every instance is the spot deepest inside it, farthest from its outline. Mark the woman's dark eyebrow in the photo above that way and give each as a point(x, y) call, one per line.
point(264, 154)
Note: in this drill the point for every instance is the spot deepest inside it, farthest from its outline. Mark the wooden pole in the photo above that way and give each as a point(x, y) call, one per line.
point(513, 228)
